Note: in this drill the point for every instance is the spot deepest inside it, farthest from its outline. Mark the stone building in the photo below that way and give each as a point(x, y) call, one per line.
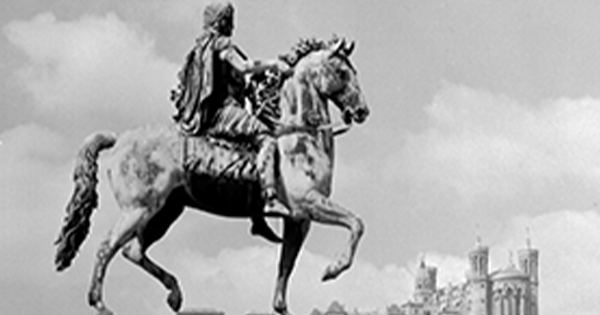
point(509, 291)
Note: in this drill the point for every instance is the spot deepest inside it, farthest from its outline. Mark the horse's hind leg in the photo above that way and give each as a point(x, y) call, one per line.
point(321, 209)
point(135, 251)
point(156, 227)
point(294, 233)
point(120, 234)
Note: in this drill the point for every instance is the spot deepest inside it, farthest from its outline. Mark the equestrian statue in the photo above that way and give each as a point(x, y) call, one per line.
point(251, 139)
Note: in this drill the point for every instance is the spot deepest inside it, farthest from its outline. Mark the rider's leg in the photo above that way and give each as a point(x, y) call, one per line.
point(234, 121)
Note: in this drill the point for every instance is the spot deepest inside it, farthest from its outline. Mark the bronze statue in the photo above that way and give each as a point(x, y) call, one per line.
point(156, 172)
point(210, 100)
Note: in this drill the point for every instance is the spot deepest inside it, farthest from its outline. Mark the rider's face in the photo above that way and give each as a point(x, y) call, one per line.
point(227, 26)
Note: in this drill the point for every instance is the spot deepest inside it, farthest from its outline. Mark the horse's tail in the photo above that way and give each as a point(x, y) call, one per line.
point(84, 199)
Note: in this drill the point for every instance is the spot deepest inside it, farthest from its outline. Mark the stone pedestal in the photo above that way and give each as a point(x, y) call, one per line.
point(201, 311)
point(212, 311)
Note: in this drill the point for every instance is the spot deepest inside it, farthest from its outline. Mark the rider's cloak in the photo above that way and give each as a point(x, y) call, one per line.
point(197, 83)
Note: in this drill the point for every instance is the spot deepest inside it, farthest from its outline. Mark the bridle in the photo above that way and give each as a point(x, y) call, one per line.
point(270, 101)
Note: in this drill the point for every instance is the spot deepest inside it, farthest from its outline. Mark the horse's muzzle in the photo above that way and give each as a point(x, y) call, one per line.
point(361, 114)
point(348, 116)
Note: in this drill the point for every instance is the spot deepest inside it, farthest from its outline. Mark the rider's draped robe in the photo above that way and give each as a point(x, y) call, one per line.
point(197, 81)
point(212, 94)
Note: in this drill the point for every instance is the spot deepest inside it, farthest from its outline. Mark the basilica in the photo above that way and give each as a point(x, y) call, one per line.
point(509, 291)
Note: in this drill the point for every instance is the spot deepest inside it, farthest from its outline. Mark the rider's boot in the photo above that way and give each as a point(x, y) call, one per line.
point(266, 169)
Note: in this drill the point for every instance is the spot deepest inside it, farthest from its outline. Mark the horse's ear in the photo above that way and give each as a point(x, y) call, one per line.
point(337, 47)
point(349, 49)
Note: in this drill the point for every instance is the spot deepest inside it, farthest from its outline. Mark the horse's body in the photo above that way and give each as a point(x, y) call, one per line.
point(155, 172)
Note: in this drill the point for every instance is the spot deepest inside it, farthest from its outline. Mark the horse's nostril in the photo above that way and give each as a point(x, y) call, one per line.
point(361, 113)
point(347, 116)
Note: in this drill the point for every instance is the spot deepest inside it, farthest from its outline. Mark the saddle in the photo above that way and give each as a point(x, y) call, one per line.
point(219, 158)
point(234, 158)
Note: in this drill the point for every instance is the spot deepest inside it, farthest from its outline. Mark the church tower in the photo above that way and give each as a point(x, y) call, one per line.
point(478, 281)
point(425, 284)
point(529, 264)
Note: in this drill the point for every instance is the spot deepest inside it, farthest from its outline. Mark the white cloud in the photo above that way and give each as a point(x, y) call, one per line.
point(347, 175)
point(247, 276)
point(33, 182)
point(187, 12)
point(484, 144)
point(83, 70)
point(28, 156)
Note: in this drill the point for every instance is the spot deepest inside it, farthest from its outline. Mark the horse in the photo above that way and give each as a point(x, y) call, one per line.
point(147, 174)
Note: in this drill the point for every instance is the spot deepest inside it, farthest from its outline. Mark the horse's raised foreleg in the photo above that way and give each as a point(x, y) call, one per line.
point(321, 209)
point(294, 234)
point(120, 234)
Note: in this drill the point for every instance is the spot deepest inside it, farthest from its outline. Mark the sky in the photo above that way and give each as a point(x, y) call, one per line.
point(484, 123)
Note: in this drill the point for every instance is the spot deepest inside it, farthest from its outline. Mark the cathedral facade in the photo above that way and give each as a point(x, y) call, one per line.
point(508, 291)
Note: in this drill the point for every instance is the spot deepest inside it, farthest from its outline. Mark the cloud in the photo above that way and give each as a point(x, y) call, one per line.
point(33, 180)
point(348, 175)
point(84, 70)
point(188, 12)
point(480, 144)
point(28, 156)
point(247, 276)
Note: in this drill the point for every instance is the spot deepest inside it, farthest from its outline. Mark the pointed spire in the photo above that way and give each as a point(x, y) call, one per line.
point(422, 263)
point(477, 236)
point(511, 262)
point(528, 240)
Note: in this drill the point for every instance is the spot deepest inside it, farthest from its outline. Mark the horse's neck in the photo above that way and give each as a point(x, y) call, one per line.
point(301, 105)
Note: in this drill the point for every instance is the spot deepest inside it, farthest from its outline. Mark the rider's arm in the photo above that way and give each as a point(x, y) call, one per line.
point(247, 66)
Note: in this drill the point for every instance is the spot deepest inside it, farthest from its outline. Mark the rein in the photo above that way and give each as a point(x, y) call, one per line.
point(339, 128)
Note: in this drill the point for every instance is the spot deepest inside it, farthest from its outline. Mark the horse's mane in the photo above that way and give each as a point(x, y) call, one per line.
point(305, 46)
point(266, 88)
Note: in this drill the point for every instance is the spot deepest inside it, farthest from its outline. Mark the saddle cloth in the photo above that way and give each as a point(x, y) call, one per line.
point(219, 158)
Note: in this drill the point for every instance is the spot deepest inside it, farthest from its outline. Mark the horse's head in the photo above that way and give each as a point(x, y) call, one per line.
point(334, 77)
point(339, 83)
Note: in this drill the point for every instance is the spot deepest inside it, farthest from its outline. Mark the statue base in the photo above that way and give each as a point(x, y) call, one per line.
point(212, 311)
point(200, 311)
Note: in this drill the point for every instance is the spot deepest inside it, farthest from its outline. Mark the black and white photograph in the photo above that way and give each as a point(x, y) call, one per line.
point(317, 157)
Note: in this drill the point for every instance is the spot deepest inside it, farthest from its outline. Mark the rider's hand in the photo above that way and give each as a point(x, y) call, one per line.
point(283, 67)
point(175, 94)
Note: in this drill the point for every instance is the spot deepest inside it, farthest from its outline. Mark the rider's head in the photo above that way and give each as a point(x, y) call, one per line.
point(218, 17)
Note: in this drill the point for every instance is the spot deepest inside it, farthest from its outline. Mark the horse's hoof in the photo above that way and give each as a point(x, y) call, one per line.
point(281, 310)
point(279, 306)
point(93, 298)
point(332, 272)
point(105, 311)
point(175, 300)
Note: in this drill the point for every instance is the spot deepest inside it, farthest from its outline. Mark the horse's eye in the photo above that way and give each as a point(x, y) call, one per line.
point(342, 74)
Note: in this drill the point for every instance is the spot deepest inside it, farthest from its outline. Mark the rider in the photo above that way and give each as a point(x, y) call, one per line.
point(210, 96)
